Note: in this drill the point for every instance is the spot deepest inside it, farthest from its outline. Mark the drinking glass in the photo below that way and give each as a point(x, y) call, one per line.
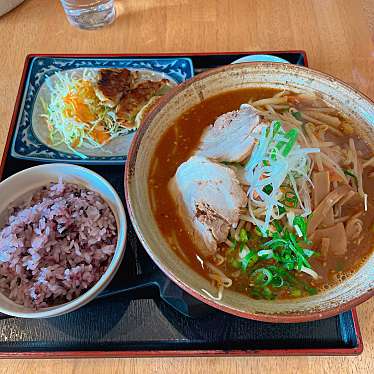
point(89, 14)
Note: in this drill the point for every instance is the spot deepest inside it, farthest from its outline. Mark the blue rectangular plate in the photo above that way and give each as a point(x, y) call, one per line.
point(26, 144)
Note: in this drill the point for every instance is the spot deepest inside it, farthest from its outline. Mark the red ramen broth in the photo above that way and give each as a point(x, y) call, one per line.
point(180, 142)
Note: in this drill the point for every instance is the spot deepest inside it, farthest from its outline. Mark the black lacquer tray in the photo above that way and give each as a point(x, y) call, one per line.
point(142, 313)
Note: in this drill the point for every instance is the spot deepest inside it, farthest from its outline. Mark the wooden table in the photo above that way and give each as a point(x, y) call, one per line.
point(338, 37)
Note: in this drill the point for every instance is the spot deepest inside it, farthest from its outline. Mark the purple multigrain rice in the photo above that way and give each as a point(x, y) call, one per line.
point(56, 246)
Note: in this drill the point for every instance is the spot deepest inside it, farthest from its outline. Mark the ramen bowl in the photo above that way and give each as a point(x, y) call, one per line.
point(347, 294)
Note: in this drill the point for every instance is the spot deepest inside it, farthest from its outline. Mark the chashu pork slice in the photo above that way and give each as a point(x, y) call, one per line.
point(231, 138)
point(209, 197)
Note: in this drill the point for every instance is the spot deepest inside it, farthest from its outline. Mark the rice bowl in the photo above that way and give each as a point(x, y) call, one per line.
point(57, 263)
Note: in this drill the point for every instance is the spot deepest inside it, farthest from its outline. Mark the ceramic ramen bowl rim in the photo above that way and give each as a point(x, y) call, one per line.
point(50, 172)
point(290, 317)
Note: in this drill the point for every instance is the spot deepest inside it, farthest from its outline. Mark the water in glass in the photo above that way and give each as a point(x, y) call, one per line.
point(89, 14)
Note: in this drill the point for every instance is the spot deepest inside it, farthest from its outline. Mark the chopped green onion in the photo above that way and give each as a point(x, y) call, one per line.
point(249, 260)
point(278, 226)
point(263, 276)
point(300, 283)
point(277, 276)
point(277, 127)
point(258, 231)
point(297, 115)
point(267, 293)
point(311, 290)
point(243, 235)
point(265, 254)
point(281, 209)
point(277, 281)
point(235, 263)
point(256, 292)
point(295, 292)
point(268, 189)
point(277, 148)
point(292, 136)
point(287, 251)
point(302, 224)
point(298, 251)
point(289, 265)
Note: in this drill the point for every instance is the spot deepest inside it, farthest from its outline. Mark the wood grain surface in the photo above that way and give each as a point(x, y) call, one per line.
point(338, 36)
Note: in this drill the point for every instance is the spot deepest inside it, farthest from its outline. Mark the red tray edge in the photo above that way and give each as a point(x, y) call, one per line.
point(165, 54)
point(165, 353)
point(197, 353)
point(182, 353)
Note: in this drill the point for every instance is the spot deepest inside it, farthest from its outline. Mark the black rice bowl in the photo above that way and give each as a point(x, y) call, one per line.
point(56, 245)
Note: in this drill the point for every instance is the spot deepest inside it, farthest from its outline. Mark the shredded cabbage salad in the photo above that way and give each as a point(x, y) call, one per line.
point(75, 116)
